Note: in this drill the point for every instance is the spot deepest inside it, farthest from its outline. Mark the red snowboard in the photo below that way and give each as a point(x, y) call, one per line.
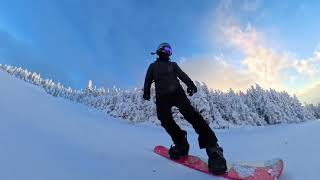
point(270, 170)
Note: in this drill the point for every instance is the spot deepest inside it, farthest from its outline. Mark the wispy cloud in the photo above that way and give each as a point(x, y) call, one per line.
point(307, 66)
point(217, 73)
point(251, 5)
point(310, 94)
point(261, 63)
point(317, 54)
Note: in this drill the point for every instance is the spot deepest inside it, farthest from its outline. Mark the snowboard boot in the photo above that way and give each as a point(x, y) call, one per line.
point(180, 149)
point(216, 163)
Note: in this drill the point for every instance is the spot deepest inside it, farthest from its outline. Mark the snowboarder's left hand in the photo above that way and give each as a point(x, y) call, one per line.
point(192, 90)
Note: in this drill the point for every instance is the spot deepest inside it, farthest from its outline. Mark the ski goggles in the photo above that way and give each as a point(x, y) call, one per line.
point(166, 50)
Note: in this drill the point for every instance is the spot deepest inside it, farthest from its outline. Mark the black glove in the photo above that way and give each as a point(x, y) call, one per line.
point(191, 90)
point(146, 97)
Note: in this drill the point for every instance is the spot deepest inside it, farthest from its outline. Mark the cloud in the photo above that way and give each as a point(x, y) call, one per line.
point(217, 73)
point(259, 62)
point(310, 94)
point(251, 5)
point(317, 55)
point(308, 66)
point(262, 62)
point(305, 67)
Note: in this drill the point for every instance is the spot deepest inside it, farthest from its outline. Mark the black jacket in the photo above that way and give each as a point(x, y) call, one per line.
point(165, 74)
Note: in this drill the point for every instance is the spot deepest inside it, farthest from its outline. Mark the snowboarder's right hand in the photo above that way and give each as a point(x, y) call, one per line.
point(191, 90)
point(146, 97)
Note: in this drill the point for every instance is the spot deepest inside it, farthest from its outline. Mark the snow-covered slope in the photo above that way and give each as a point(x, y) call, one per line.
point(43, 137)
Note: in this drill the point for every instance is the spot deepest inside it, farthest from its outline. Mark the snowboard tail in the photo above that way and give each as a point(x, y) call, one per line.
point(269, 170)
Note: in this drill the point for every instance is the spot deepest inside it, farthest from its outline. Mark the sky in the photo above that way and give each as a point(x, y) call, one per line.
point(225, 44)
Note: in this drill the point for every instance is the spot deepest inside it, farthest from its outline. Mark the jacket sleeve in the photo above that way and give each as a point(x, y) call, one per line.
point(148, 80)
point(183, 76)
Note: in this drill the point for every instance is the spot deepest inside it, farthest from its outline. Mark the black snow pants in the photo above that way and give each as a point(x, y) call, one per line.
point(164, 103)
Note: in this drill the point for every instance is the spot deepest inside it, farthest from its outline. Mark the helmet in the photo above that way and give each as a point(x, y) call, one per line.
point(164, 48)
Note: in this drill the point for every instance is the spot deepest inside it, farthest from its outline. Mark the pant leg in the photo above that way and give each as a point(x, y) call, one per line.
point(206, 137)
point(164, 114)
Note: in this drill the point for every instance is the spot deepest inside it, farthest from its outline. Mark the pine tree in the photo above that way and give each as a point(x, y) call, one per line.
point(89, 88)
point(256, 106)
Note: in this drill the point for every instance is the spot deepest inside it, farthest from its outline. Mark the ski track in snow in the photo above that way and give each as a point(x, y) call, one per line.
point(43, 137)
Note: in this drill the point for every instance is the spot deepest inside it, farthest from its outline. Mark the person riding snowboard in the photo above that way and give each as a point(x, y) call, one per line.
point(169, 93)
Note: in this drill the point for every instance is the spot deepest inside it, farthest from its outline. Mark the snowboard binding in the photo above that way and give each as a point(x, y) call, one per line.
point(216, 163)
point(180, 149)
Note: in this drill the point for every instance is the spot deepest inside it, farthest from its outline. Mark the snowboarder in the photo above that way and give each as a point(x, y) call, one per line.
point(169, 92)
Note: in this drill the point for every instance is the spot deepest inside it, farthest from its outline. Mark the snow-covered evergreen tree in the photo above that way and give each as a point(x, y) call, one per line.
point(256, 106)
point(201, 100)
point(89, 87)
point(314, 110)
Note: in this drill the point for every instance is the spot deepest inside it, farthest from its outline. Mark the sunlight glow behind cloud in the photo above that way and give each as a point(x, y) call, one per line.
point(261, 63)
